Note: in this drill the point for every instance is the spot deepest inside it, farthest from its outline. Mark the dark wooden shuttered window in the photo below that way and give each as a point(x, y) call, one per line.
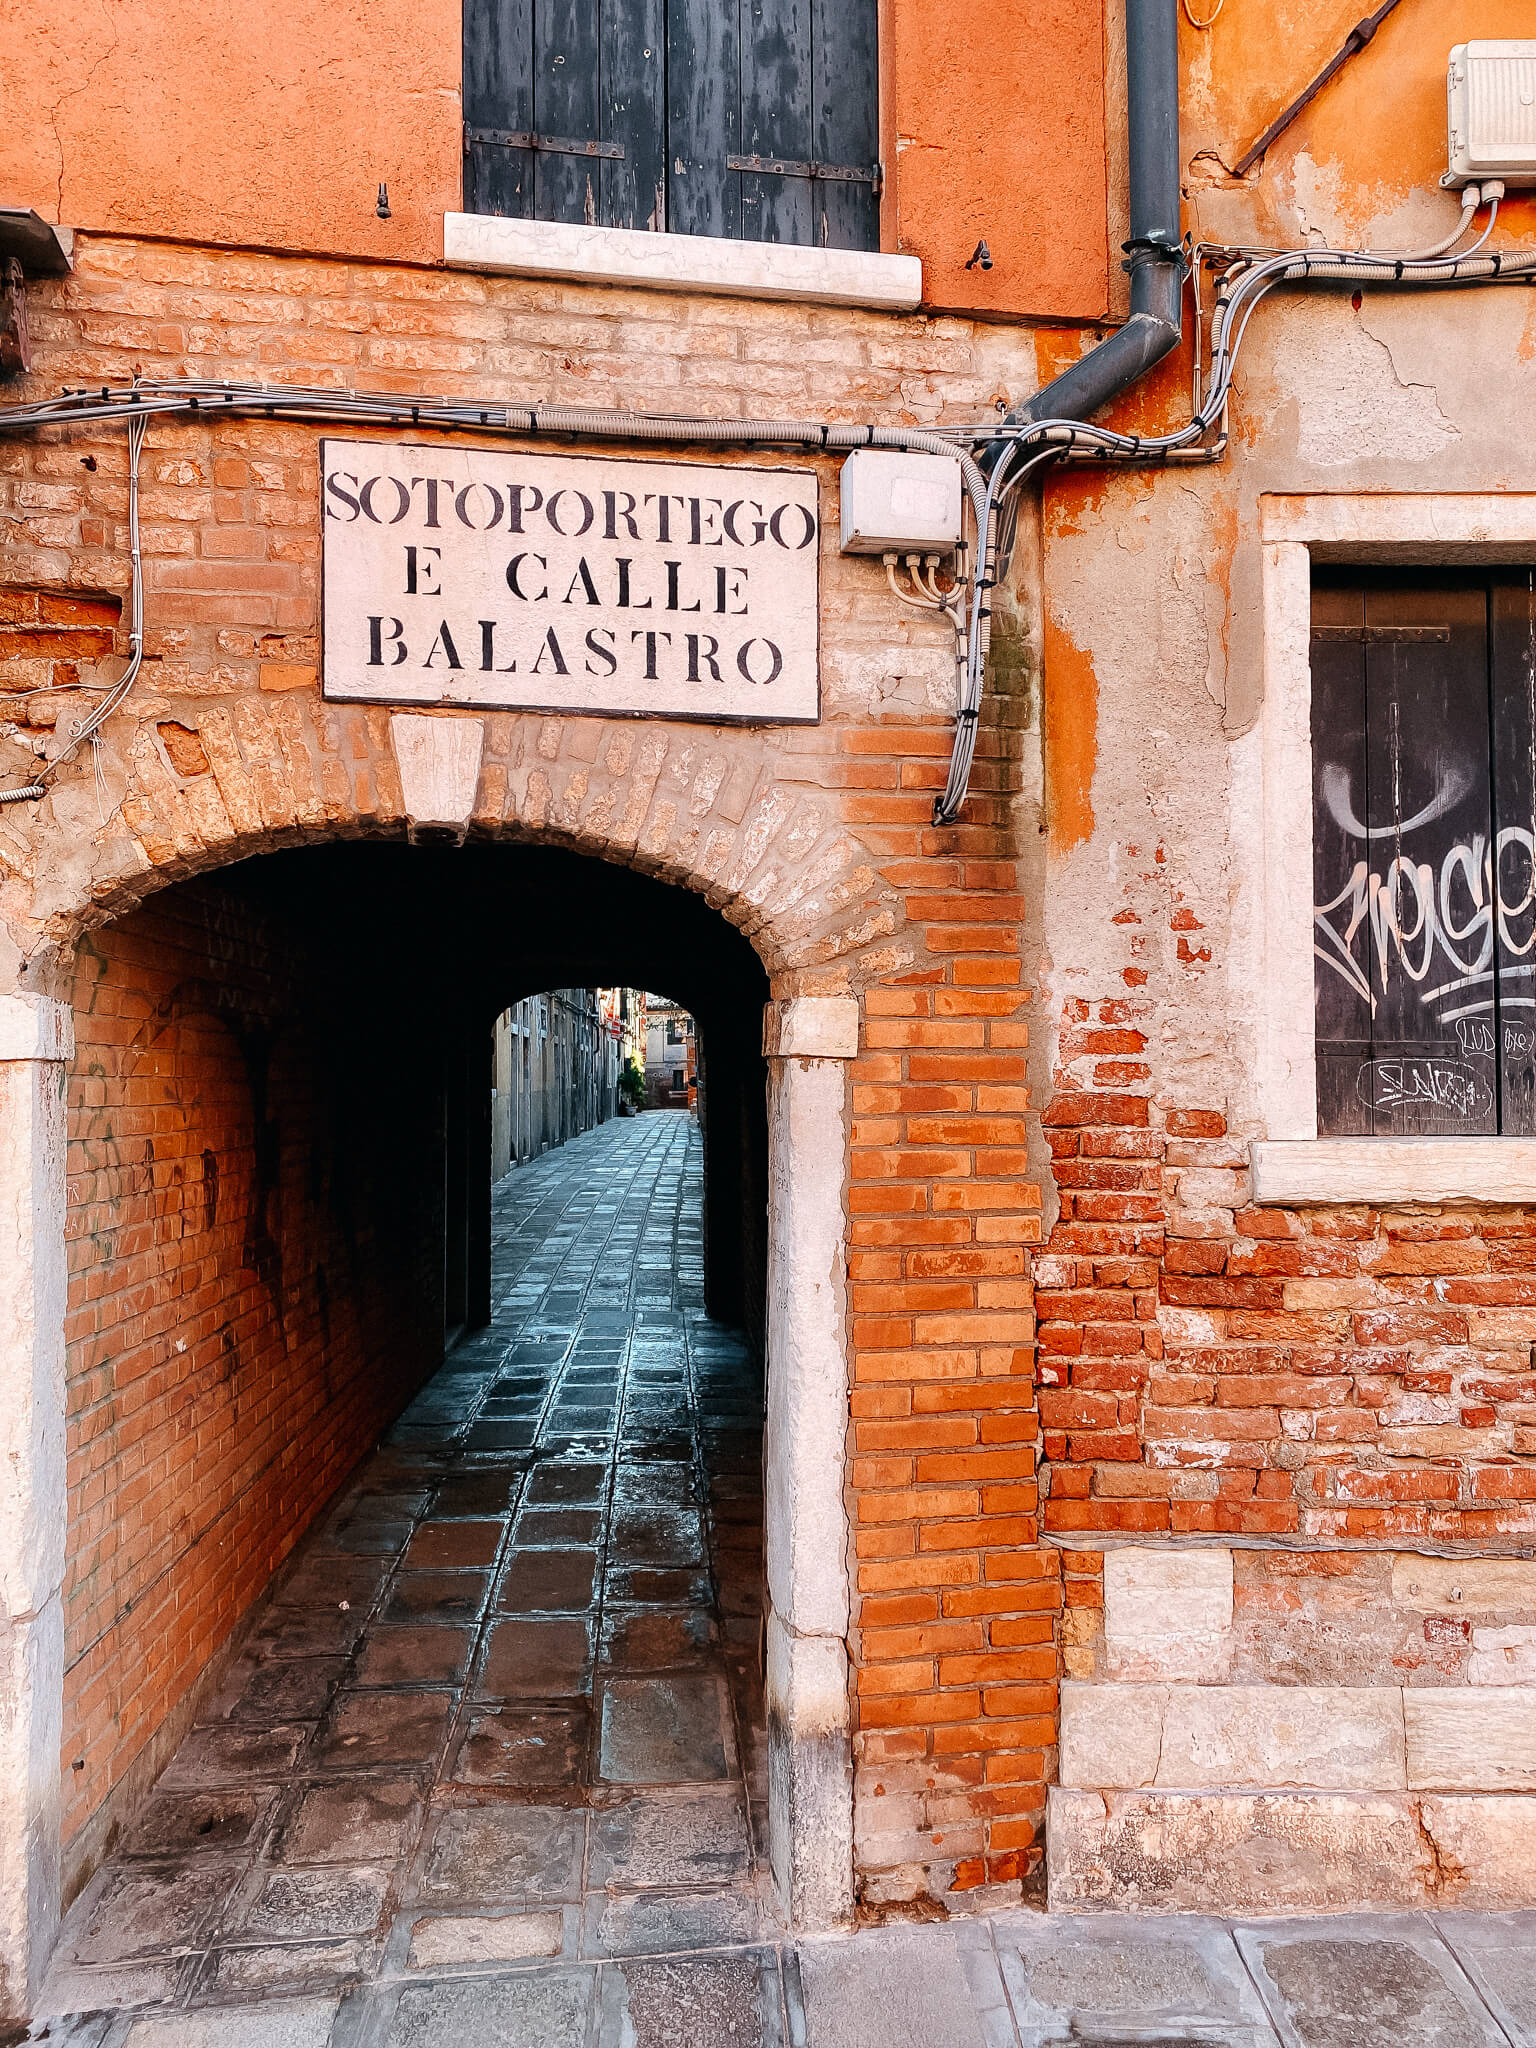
point(1424, 852)
point(753, 119)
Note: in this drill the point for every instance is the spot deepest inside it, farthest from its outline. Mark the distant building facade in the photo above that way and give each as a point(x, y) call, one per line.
point(671, 1055)
point(555, 1062)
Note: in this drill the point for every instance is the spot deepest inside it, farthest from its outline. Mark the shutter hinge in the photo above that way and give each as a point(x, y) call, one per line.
point(552, 145)
point(786, 167)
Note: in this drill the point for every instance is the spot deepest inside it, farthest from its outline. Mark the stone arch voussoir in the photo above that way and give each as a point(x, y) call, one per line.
point(728, 814)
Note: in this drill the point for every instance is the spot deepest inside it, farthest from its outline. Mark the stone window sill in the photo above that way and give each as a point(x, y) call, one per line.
point(682, 263)
point(1381, 1171)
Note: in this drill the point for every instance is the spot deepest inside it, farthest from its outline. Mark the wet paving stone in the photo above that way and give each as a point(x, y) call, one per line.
point(558, 1528)
point(656, 1638)
point(664, 1731)
point(656, 1536)
point(653, 1585)
point(475, 1494)
point(536, 1660)
point(453, 1545)
point(352, 1821)
point(385, 1728)
point(422, 1655)
point(504, 1852)
point(383, 1864)
point(523, 1750)
point(572, 1484)
point(534, 1579)
point(437, 1596)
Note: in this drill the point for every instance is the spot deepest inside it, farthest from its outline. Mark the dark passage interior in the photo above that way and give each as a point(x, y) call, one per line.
point(523, 1645)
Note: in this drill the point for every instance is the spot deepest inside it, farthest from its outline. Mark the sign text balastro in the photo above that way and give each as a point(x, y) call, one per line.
point(477, 576)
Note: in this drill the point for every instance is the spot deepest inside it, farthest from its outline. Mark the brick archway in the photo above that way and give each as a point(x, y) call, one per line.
point(744, 819)
point(702, 814)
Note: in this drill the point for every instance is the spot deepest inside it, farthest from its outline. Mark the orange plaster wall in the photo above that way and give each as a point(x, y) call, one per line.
point(261, 123)
point(1377, 128)
point(994, 130)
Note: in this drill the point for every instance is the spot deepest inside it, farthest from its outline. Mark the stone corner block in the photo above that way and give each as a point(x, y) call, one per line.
point(812, 1028)
point(1110, 1735)
point(36, 1028)
point(1472, 1738)
point(439, 763)
point(1235, 1853)
point(1167, 1613)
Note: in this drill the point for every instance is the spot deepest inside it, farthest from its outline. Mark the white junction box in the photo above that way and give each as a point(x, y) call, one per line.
point(894, 503)
point(1490, 91)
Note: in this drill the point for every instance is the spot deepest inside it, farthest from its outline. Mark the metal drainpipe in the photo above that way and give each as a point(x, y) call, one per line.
point(1155, 257)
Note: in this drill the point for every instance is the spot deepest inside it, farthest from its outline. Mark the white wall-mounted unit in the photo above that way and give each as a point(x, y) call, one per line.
point(895, 503)
point(1490, 91)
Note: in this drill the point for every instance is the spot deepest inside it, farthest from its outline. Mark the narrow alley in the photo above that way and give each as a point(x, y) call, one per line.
point(505, 1706)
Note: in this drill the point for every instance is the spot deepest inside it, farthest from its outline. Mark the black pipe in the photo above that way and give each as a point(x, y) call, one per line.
point(1154, 253)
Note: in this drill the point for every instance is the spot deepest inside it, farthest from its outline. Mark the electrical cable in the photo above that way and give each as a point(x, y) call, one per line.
point(993, 499)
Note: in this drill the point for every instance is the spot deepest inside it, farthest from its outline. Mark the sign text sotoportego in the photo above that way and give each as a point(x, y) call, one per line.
point(481, 576)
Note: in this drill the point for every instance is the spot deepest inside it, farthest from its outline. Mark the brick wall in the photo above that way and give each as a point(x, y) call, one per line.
point(244, 1313)
point(956, 1617)
point(816, 841)
point(1206, 1365)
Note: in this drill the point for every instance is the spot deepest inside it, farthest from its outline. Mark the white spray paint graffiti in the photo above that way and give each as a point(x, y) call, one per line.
point(1420, 924)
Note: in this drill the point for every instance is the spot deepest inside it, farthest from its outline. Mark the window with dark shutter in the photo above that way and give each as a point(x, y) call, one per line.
point(753, 119)
point(1424, 852)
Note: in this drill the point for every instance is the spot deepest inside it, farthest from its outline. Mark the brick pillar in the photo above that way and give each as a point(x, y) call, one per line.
point(36, 1039)
point(808, 1043)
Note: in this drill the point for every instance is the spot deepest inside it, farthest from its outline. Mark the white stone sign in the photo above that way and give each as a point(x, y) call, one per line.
point(483, 576)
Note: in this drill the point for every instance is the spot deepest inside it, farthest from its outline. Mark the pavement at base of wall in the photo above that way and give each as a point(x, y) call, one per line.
point(1012, 1980)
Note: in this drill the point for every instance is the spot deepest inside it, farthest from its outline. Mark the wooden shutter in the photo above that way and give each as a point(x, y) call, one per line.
point(752, 119)
point(498, 100)
point(563, 110)
point(1512, 634)
point(703, 116)
point(1403, 830)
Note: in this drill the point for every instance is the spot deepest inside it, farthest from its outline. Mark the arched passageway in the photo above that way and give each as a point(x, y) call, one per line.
point(279, 1198)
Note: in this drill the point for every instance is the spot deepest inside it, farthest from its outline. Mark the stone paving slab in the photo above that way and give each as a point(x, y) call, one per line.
point(1365, 1982)
point(1498, 1953)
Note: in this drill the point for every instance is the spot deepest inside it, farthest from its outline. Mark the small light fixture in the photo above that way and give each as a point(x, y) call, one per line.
point(382, 208)
point(980, 254)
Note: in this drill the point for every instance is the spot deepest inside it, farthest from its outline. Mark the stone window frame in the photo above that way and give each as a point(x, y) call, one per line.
point(1291, 1163)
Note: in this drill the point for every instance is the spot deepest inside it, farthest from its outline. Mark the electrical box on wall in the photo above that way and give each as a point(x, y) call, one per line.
point(1490, 91)
point(894, 503)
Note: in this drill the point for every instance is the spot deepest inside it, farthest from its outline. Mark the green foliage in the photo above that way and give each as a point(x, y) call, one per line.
point(632, 1085)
